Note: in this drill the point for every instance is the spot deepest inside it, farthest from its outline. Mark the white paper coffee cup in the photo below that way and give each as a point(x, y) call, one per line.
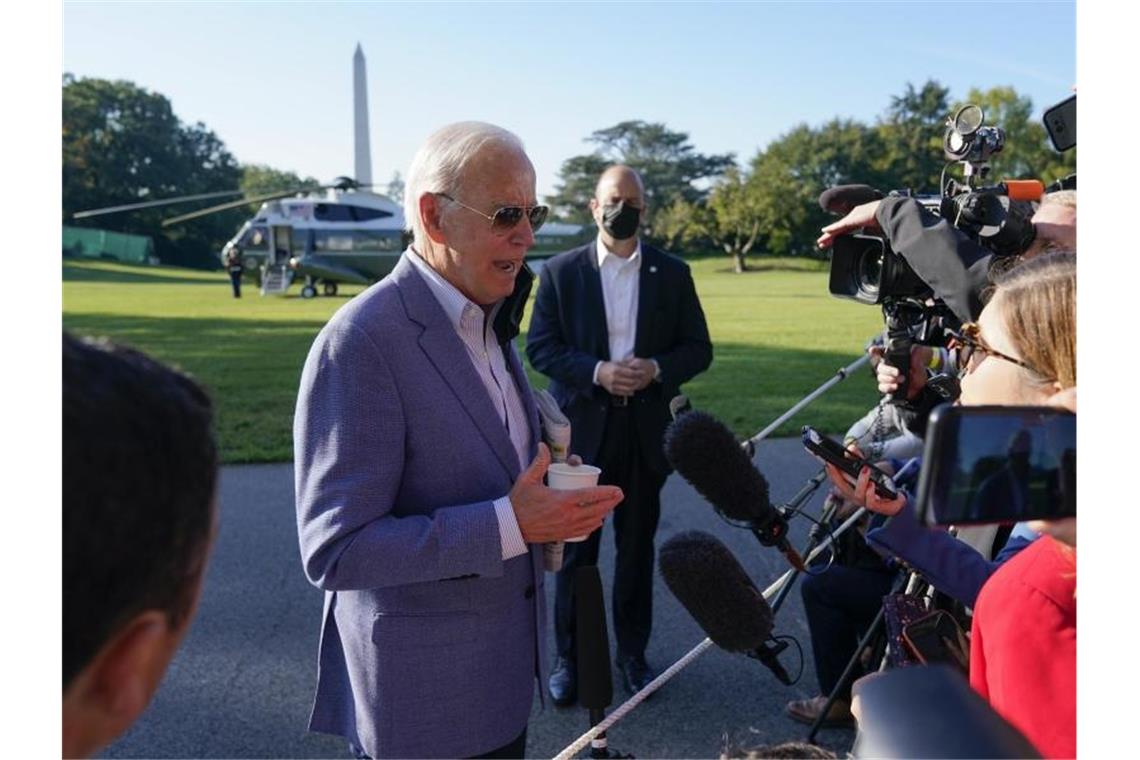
point(565, 477)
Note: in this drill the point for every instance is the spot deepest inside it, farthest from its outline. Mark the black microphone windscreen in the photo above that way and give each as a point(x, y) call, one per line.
point(708, 456)
point(709, 582)
point(840, 199)
point(595, 681)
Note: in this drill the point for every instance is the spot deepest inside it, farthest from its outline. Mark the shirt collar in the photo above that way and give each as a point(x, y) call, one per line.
point(453, 302)
point(605, 253)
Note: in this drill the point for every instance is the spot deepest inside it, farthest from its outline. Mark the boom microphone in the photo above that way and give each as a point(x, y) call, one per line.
point(595, 682)
point(708, 456)
point(839, 200)
point(712, 586)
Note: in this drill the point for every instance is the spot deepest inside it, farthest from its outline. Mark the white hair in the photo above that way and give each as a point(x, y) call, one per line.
point(439, 164)
point(1060, 198)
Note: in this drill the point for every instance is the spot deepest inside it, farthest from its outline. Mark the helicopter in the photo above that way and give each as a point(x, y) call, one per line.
point(338, 233)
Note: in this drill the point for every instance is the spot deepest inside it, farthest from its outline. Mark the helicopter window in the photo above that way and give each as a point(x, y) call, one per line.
point(376, 241)
point(355, 240)
point(255, 237)
point(344, 212)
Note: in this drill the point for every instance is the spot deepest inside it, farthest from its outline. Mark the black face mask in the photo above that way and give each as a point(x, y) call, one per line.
point(621, 220)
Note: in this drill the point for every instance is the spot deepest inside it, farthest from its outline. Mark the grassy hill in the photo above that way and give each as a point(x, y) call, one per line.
point(776, 332)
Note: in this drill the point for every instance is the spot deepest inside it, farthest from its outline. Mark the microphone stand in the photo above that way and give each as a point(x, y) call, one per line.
point(814, 536)
point(840, 375)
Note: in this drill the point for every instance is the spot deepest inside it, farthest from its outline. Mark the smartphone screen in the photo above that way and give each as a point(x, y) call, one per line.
point(998, 464)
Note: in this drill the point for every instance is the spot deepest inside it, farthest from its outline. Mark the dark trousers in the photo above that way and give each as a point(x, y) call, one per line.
point(635, 524)
point(841, 603)
point(235, 281)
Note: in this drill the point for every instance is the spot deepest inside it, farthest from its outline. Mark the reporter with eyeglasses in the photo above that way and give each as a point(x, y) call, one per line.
point(1022, 351)
point(421, 508)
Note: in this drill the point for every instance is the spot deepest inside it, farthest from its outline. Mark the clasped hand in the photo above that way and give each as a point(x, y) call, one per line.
point(627, 377)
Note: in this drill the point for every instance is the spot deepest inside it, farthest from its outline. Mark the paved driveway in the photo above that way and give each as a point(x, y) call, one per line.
point(242, 684)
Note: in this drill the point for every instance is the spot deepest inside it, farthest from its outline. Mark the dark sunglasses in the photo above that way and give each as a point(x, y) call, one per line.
point(506, 218)
point(970, 345)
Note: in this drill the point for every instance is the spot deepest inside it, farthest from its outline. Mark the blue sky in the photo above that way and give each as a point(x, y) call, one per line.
point(273, 80)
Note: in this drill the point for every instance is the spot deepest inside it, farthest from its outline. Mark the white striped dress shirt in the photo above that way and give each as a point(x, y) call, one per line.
point(475, 330)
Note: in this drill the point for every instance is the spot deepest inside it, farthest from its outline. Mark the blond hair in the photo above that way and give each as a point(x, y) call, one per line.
point(1060, 198)
point(1038, 299)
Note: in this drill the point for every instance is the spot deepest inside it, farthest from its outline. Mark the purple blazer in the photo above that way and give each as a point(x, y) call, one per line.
point(430, 642)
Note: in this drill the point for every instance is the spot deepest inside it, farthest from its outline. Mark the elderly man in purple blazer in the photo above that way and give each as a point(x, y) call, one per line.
point(420, 504)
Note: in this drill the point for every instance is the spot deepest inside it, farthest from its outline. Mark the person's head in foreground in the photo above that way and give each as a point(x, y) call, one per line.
point(139, 469)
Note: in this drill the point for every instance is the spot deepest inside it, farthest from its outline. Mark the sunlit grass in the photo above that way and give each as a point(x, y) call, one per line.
point(776, 333)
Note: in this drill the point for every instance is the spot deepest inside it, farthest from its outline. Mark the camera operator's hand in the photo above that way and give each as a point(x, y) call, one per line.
point(888, 376)
point(860, 216)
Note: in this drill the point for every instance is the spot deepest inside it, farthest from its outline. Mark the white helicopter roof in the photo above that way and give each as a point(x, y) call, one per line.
point(314, 210)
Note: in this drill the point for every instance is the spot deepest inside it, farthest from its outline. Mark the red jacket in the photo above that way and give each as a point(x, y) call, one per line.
point(1023, 645)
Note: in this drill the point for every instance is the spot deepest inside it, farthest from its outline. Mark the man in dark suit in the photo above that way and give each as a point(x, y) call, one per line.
point(418, 513)
point(618, 328)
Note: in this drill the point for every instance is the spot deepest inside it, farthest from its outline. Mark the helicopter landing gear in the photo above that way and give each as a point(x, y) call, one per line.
point(310, 289)
point(330, 288)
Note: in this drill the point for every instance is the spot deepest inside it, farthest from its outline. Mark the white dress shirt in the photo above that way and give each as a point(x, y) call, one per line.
point(620, 288)
point(475, 329)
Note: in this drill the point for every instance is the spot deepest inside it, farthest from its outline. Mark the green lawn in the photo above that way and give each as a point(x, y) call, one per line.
point(776, 333)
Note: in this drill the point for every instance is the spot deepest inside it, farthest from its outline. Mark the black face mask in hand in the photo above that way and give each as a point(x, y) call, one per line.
point(621, 220)
point(507, 321)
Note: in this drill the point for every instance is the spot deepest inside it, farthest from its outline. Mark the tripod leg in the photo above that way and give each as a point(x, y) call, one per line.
point(872, 630)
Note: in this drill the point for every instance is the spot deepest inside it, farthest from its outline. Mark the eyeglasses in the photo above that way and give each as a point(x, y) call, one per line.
point(506, 218)
point(971, 345)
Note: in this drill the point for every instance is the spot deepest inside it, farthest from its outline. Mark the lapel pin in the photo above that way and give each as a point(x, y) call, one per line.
point(652, 270)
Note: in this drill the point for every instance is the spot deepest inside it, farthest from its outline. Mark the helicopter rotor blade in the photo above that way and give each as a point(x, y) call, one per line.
point(151, 204)
point(232, 204)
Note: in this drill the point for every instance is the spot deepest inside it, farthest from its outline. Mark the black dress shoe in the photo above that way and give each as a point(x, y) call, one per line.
point(635, 673)
point(564, 682)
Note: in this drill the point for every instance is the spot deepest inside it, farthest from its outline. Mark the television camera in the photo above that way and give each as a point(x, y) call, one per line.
point(864, 268)
point(997, 218)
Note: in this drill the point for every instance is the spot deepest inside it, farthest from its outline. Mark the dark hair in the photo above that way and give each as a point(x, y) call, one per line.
point(139, 469)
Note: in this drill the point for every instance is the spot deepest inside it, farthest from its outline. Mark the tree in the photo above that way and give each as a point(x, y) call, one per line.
point(912, 130)
point(122, 144)
point(395, 189)
point(259, 179)
point(669, 166)
point(732, 216)
point(788, 176)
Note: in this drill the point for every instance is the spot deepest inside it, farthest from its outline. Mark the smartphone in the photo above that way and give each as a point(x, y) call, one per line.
point(1061, 123)
point(998, 464)
point(832, 452)
point(936, 638)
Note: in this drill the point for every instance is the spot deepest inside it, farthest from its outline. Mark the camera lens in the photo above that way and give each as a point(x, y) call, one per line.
point(870, 270)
